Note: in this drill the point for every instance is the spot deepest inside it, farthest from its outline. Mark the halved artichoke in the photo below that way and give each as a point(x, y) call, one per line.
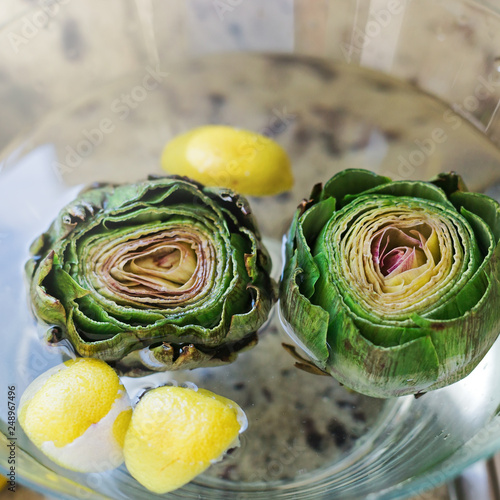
point(160, 275)
point(393, 288)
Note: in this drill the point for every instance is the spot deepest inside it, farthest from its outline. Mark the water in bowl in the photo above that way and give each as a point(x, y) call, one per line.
point(302, 428)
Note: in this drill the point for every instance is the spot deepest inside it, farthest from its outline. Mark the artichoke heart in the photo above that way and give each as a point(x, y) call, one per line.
point(393, 287)
point(160, 275)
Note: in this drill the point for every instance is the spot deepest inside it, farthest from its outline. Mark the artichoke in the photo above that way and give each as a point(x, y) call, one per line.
point(392, 287)
point(160, 275)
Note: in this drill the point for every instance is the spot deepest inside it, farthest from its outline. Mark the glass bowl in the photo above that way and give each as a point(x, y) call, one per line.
point(407, 89)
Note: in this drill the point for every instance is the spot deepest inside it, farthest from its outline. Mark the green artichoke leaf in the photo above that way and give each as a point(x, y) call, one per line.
point(49, 308)
point(306, 322)
point(395, 370)
point(351, 182)
point(483, 206)
point(311, 223)
point(449, 182)
point(393, 287)
point(415, 189)
point(158, 275)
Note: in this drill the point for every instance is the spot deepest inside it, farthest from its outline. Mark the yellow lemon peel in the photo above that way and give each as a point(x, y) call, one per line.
point(176, 433)
point(77, 413)
point(218, 155)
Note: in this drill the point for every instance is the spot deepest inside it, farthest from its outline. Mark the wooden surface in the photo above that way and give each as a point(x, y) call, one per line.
point(22, 493)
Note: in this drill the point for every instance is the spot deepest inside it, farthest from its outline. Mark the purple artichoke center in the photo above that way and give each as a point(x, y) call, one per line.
point(396, 250)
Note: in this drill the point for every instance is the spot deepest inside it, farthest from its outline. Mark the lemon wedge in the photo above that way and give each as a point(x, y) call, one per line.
point(218, 155)
point(77, 413)
point(176, 433)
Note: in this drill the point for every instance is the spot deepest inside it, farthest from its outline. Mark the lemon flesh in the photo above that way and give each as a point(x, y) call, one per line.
point(77, 413)
point(176, 433)
point(218, 155)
